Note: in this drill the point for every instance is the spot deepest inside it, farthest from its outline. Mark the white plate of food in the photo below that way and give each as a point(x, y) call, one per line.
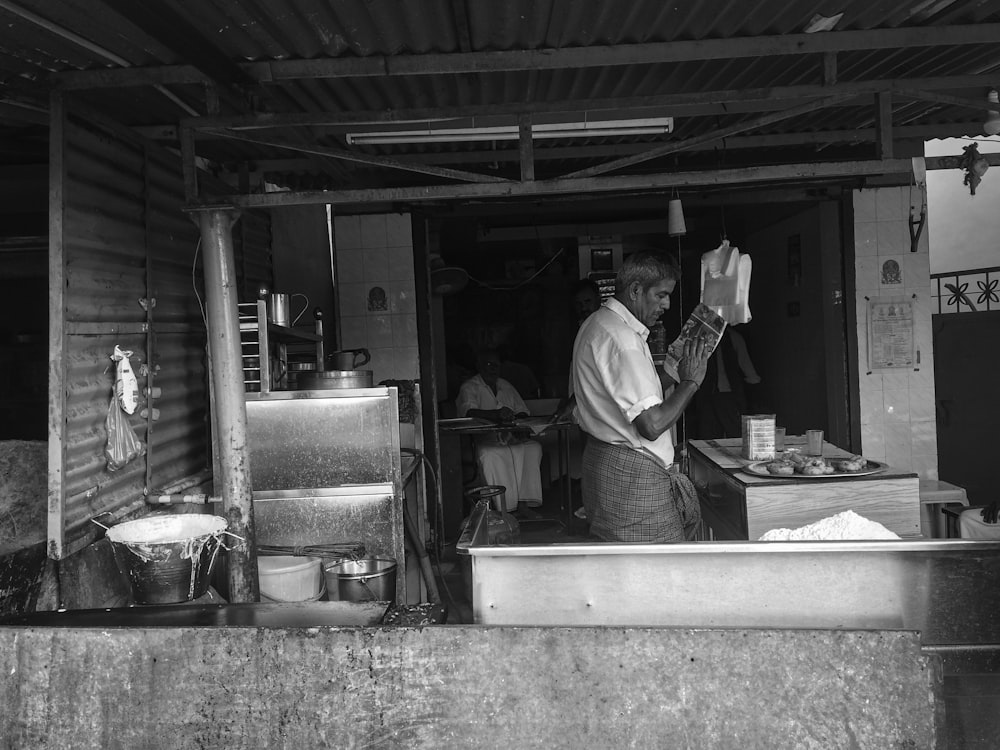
point(794, 465)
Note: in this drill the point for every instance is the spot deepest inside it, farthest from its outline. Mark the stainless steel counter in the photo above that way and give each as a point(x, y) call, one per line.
point(948, 590)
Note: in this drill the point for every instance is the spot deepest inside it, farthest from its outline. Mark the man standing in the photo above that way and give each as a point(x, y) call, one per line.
point(632, 491)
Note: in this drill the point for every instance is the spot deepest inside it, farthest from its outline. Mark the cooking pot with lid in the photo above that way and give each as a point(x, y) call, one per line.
point(349, 359)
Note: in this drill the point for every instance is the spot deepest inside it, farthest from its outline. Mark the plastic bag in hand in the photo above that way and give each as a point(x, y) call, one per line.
point(123, 444)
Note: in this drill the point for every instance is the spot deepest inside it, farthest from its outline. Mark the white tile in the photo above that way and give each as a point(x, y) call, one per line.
point(888, 205)
point(347, 232)
point(865, 239)
point(873, 442)
point(406, 363)
point(373, 231)
point(890, 274)
point(400, 259)
point(866, 273)
point(926, 467)
point(398, 230)
point(381, 365)
point(916, 269)
point(352, 299)
point(379, 331)
point(350, 266)
point(921, 405)
point(897, 442)
point(872, 412)
point(890, 238)
point(895, 380)
point(404, 331)
point(353, 332)
point(376, 298)
point(864, 205)
point(376, 264)
point(402, 297)
point(924, 377)
point(923, 437)
point(896, 405)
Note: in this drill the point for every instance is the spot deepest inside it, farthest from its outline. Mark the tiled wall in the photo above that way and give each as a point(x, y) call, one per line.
point(897, 407)
point(373, 270)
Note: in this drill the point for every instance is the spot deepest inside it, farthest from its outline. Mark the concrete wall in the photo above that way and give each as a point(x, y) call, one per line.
point(452, 687)
point(898, 422)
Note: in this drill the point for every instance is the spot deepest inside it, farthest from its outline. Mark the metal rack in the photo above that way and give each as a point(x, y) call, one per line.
point(264, 347)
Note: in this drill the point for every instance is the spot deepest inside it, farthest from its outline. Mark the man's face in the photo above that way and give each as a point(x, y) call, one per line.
point(488, 365)
point(585, 302)
point(648, 305)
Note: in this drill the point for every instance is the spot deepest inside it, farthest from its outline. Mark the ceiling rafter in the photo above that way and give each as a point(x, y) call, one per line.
point(548, 59)
point(334, 153)
point(708, 102)
point(714, 135)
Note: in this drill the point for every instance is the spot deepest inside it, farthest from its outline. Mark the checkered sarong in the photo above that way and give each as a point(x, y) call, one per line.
point(630, 496)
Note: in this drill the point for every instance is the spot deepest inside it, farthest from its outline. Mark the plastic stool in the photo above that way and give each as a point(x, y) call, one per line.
point(935, 495)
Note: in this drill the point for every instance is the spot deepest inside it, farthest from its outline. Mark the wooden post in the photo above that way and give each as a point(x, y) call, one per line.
point(230, 407)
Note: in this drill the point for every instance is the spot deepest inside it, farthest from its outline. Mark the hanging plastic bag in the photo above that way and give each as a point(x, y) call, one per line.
point(123, 444)
point(126, 386)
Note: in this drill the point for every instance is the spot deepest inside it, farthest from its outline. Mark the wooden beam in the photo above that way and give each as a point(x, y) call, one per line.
point(554, 59)
point(170, 29)
point(354, 156)
point(829, 68)
point(703, 102)
point(933, 96)
point(526, 148)
point(541, 188)
point(883, 125)
point(698, 140)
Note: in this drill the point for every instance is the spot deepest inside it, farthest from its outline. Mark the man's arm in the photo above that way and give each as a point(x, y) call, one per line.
point(656, 420)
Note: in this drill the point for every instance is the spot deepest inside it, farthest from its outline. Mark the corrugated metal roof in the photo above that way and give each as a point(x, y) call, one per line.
point(399, 58)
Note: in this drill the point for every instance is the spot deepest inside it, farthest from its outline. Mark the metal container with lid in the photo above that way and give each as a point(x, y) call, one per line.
point(324, 380)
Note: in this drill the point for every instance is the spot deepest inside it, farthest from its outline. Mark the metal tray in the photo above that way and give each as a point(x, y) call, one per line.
point(759, 469)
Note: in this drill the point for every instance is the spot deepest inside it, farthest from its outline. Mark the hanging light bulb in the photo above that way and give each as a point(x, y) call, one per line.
point(992, 124)
point(675, 218)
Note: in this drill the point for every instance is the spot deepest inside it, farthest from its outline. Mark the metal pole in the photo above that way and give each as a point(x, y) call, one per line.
point(228, 390)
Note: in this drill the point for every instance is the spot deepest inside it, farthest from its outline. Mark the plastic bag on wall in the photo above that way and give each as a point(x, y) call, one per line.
point(123, 444)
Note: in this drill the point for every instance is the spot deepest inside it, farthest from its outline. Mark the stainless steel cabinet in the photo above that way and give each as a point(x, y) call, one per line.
point(325, 467)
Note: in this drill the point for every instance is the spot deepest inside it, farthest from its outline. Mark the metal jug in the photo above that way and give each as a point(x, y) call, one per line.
point(347, 359)
point(279, 308)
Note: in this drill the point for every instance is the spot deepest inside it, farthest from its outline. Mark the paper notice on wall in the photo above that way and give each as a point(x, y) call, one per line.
point(890, 335)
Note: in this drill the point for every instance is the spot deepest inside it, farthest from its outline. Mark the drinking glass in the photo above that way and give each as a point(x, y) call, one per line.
point(814, 442)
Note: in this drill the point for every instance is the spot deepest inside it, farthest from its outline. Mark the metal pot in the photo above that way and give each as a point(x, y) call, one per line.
point(349, 359)
point(325, 380)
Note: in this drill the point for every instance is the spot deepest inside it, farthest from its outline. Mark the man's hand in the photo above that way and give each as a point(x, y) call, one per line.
point(505, 414)
point(991, 511)
point(694, 361)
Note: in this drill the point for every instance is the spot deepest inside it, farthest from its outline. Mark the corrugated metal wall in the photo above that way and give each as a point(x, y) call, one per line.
point(119, 238)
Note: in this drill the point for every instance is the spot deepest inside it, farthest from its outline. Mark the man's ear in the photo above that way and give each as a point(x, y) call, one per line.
point(634, 290)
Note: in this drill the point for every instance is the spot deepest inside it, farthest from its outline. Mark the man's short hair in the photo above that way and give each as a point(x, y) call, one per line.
point(646, 267)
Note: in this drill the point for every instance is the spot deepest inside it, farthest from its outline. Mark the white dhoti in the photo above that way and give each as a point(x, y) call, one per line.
point(515, 467)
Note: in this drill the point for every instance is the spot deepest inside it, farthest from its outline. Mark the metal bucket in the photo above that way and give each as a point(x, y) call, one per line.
point(324, 380)
point(167, 559)
point(370, 579)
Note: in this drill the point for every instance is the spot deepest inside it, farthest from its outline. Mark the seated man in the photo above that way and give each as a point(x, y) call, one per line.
point(504, 459)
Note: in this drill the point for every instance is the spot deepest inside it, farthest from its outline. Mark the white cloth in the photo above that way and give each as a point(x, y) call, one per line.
point(972, 526)
point(514, 466)
point(725, 283)
point(615, 380)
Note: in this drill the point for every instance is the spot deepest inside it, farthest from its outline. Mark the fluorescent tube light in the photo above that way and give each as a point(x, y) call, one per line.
point(592, 129)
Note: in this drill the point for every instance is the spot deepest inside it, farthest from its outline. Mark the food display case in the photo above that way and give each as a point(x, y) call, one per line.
point(325, 468)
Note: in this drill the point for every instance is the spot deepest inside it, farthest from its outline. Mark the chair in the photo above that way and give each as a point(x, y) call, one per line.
point(968, 523)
